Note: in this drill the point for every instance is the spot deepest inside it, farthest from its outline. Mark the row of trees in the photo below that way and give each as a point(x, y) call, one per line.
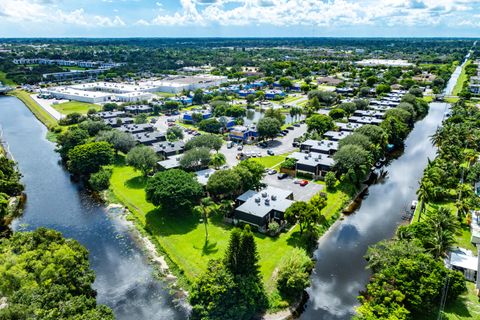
point(409, 275)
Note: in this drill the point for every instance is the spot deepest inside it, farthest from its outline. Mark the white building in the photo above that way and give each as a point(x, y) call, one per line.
point(384, 62)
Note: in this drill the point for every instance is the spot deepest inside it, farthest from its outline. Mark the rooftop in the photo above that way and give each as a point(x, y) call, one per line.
point(263, 202)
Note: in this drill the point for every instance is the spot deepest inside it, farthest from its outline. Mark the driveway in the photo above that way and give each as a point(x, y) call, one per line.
point(299, 193)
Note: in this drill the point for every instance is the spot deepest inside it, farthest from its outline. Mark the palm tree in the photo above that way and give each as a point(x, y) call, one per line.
point(205, 208)
point(424, 195)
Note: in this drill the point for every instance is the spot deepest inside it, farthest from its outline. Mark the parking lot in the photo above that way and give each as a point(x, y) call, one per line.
point(300, 193)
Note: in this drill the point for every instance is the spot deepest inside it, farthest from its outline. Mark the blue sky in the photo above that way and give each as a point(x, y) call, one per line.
point(239, 18)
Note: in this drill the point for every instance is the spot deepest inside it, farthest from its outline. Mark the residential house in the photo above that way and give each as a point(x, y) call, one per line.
point(259, 208)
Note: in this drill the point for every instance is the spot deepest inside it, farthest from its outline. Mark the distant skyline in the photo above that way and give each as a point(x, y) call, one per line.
point(235, 18)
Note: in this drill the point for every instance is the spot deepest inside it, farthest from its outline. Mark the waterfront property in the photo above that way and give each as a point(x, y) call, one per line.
point(313, 164)
point(259, 208)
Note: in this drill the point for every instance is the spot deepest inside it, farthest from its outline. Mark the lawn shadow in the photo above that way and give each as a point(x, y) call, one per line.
point(169, 222)
point(459, 307)
point(207, 248)
point(297, 240)
point(137, 182)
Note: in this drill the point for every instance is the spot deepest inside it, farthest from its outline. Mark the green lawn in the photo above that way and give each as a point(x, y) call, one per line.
point(165, 94)
point(181, 236)
point(38, 111)
point(5, 81)
point(272, 162)
point(466, 307)
point(75, 106)
point(291, 99)
point(461, 80)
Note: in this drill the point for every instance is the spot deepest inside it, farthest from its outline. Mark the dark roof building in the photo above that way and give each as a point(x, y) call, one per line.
point(149, 138)
point(136, 109)
point(316, 164)
point(262, 207)
point(117, 122)
point(365, 120)
point(322, 146)
point(349, 126)
point(110, 114)
point(136, 128)
point(336, 135)
point(167, 149)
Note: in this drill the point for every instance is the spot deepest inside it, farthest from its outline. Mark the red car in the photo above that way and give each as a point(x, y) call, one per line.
point(303, 183)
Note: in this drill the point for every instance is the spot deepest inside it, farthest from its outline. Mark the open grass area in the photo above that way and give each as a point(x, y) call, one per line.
point(181, 235)
point(466, 307)
point(272, 162)
point(75, 106)
point(428, 99)
point(38, 111)
point(291, 99)
point(461, 80)
point(5, 81)
point(165, 94)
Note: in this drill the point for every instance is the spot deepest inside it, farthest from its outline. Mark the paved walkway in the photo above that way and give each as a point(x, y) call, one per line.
point(46, 104)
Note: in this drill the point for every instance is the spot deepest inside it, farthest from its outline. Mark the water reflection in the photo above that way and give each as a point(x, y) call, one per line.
point(124, 278)
point(340, 268)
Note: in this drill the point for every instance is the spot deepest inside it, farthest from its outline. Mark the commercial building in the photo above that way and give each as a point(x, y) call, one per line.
point(243, 134)
point(178, 83)
point(384, 63)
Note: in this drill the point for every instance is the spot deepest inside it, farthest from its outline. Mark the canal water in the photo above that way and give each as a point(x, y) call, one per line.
point(124, 279)
point(340, 271)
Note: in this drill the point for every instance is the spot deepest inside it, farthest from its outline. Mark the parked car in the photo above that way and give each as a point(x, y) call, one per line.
point(303, 183)
point(282, 176)
point(270, 153)
point(296, 125)
point(240, 148)
point(272, 171)
point(290, 128)
point(285, 131)
point(295, 144)
point(297, 181)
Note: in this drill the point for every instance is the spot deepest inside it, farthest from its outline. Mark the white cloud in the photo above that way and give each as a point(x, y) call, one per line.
point(332, 13)
point(46, 11)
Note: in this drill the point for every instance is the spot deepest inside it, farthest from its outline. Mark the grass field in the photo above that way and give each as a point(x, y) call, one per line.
point(461, 80)
point(75, 106)
point(38, 111)
point(5, 81)
point(272, 162)
point(165, 94)
point(182, 237)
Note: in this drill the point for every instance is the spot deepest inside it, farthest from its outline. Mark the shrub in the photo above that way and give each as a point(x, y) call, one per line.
point(294, 273)
point(100, 180)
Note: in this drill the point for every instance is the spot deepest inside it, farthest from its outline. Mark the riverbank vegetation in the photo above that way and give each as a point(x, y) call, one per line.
point(10, 189)
point(40, 113)
point(447, 200)
point(47, 276)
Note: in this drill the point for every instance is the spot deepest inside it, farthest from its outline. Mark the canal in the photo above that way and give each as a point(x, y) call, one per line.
point(340, 271)
point(124, 279)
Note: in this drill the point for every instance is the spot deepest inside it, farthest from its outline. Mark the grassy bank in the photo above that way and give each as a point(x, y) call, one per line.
point(461, 80)
point(182, 236)
point(466, 307)
point(38, 111)
point(5, 81)
point(75, 106)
